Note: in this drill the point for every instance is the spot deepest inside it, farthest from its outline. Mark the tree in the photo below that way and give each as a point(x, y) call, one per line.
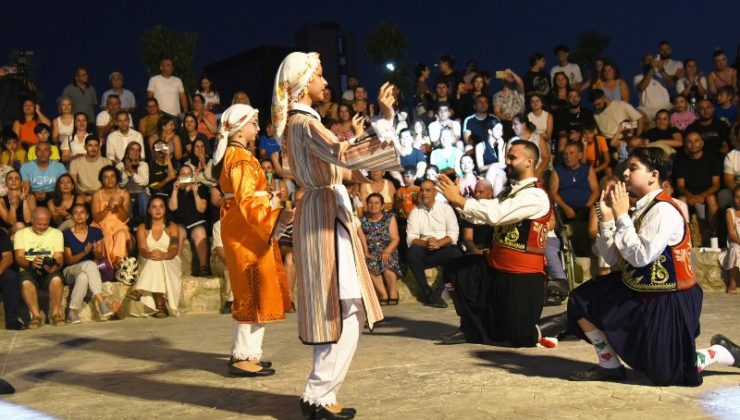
point(589, 47)
point(160, 42)
point(385, 44)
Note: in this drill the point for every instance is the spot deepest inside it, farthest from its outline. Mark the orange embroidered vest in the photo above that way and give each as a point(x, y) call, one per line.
point(520, 247)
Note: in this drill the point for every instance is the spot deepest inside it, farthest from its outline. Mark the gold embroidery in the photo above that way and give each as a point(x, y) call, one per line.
point(658, 273)
point(508, 236)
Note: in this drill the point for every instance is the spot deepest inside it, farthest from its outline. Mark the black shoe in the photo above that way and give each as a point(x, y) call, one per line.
point(345, 414)
point(233, 360)
point(16, 327)
point(6, 388)
point(454, 338)
point(725, 342)
point(554, 326)
point(598, 373)
point(226, 308)
point(235, 371)
point(558, 287)
point(436, 302)
point(205, 272)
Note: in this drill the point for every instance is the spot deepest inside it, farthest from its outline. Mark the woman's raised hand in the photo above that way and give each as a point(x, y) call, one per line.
point(386, 100)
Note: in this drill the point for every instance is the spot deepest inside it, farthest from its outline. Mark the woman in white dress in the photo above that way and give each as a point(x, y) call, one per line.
point(63, 126)
point(160, 281)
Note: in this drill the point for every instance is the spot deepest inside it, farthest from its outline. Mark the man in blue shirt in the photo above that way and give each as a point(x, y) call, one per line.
point(41, 174)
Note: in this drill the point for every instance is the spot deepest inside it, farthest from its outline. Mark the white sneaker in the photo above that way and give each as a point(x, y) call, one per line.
point(105, 312)
point(73, 317)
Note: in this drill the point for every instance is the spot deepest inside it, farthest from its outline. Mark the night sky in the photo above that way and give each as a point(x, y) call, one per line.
point(106, 36)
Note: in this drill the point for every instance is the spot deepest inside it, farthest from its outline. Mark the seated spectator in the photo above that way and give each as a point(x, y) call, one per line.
point(349, 95)
point(135, 178)
point(574, 116)
point(31, 116)
point(202, 165)
point(614, 88)
point(128, 101)
point(342, 128)
point(110, 211)
point(13, 153)
point(105, 122)
point(682, 116)
point(378, 184)
point(730, 174)
point(41, 174)
point(490, 157)
point(4, 170)
point(630, 144)
point(162, 172)
point(188, 204)
point(478, 238)
point(442, 96)
point(697, 175)
point(63, 126)
point(444, 122)
point(446, 157)
point(406, 196)
point(43, 133)
point(573, 185)
point(411, 156)
point(601, 267)
point(212, 98)
point(731, 257)
point(467, 178)
point(83, 246)
point(189, 134)
point(361, 106)
point(148, 124)
point(85, 170)
point(64, 198)
point(663, 135)
point(542, 120)
point(276, 186)
point(9, 286)
point(654, 86)
point(421, 138)
point(75, 146)
point(468, 93)
point(380, 239)
point(524, 130)
point(693, 85)
point(558, 100)
point(39, 252)
point(715, 133)
point(118, 140)
point(571, 70)
point(218, 248)
point(595, 150)
point(726, 110)
point(166, 133)
point(240, 97)
point(609, 114)
point(327, 108)
point(475, 127)
point(17, 206)
point(431, 236)
point(206, 119)
point(510, 100)
point(722, 75)
point(159, 284)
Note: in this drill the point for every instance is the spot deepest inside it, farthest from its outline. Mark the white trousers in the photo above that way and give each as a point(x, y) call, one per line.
point(247, 341)
point(84, 275)
point(331, 361)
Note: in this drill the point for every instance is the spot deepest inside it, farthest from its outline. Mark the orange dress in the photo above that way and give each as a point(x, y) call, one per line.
point(255, 268)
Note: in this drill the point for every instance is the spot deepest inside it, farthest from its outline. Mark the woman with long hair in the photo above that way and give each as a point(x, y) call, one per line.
point(17, 206)
point(75, 144)
point(110, 211)
point(63, 199)
point(343, 127)
point(558, 99)
point(327, 108)
point(525, 130)
point(166, 132)
point(614, 88)
point(32, 115)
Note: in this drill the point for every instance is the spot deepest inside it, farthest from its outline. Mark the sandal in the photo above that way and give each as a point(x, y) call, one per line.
point(393, 302)
point(34, 323)
point(134, 295)
point(57, 320)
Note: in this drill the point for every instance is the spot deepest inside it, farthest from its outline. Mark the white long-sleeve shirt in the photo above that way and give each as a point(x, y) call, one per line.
point(437, 222)
point(530, 203)
point(661, 226)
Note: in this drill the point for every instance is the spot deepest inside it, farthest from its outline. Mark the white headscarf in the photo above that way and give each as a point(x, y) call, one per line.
point(291, 83)
point(232, 120)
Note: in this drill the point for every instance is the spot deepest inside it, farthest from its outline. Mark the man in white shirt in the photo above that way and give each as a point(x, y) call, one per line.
point(571, 70)
point(168, 90)
point(105, 122)
point(443, 121)
point(610, 114)
point(673, 68)
point(431, 235)
point(730, 176)
point(500, 298)
point(115, 149)
point(653, 86)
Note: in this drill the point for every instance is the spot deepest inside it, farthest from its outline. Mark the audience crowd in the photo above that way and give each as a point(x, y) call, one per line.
point(87, 194)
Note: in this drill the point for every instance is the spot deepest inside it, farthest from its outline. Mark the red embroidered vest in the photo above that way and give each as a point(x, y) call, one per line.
point(520, 247)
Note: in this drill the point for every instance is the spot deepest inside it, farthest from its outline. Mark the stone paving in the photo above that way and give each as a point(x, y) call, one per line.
point(175, 369)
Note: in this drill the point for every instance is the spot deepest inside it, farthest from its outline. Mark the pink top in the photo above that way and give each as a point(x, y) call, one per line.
point(681, 120)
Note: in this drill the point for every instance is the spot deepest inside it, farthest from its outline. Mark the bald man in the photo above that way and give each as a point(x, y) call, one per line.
point(477, 238)
point(39, 252)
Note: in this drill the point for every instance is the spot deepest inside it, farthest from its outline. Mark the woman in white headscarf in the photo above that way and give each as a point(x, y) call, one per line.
point(255, 269)
point(334, 285)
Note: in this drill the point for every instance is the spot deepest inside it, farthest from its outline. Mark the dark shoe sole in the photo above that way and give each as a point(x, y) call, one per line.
point(234, 371)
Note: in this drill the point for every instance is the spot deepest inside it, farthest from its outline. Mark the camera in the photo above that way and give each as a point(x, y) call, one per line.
point(186, 179)
point(160, 147)
point(50, 261)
